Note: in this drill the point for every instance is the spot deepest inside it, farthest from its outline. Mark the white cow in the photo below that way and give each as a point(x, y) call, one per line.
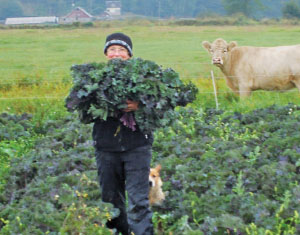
point(252, 68)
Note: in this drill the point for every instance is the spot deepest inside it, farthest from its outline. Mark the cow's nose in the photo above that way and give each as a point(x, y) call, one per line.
point(217, 60)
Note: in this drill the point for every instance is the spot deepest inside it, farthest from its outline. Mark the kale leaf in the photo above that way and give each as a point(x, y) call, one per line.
point(100, 91)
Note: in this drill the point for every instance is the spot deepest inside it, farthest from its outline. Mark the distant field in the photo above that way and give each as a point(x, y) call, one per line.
point(36, 62)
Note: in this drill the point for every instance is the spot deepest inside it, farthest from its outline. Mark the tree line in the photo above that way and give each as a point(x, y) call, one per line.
point(156, 8)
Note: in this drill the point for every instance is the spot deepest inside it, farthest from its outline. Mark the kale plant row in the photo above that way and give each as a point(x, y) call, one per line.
point(225, 171)
point(101, 91)
point(222, 171)
point(54, 189)
point(13, 126)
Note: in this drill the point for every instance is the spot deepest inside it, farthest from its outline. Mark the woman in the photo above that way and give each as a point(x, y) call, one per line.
point(123, 158)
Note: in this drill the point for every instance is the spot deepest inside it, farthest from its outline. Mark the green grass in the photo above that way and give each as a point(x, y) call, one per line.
point(43, 57)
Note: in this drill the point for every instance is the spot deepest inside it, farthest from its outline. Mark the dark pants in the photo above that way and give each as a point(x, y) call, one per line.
point(129, 170)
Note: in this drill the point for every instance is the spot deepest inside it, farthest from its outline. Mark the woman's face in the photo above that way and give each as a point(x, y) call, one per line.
point(117, 52)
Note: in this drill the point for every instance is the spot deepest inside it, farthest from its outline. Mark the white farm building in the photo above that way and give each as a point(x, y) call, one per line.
point(32, 20)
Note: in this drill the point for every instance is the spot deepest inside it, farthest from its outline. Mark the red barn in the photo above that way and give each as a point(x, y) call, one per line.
point(76, 15)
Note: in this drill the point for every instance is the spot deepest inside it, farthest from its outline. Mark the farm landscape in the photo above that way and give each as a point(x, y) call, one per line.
point(231, 170)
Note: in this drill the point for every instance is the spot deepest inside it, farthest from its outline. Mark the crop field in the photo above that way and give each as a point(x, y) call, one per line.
point(232, 170)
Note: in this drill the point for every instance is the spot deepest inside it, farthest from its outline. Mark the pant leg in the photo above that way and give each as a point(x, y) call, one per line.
point(137, 167)
point(112, 183)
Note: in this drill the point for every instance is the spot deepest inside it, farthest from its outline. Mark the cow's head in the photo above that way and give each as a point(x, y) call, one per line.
point(219, 50)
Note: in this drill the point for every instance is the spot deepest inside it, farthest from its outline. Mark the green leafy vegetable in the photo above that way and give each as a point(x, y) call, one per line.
point(100, 91)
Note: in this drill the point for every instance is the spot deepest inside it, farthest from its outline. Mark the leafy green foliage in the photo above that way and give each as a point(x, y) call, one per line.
point(223, 172)
point(291, 9)
point(9, 150)
point(13, 126)
point(245, 7)
point(15, 139)
point(101, 90)
point(52, 188)
point(150, 8)
point(226, 170)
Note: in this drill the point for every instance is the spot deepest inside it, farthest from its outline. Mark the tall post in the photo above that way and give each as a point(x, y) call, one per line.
point(215, 89)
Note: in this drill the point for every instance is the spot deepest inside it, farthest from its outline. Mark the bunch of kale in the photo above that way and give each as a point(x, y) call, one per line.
point(100, 91)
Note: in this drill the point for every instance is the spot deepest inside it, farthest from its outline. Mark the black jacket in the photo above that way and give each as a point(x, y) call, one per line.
point(111, 135)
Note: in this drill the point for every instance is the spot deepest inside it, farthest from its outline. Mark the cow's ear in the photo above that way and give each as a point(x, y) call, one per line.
point(206, 45)
point(231, 45)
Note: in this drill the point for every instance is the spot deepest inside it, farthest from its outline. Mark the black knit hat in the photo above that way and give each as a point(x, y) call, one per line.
point(118, 39)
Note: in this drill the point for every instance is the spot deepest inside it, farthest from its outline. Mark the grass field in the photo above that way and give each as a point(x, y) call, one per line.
point(35, 63)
